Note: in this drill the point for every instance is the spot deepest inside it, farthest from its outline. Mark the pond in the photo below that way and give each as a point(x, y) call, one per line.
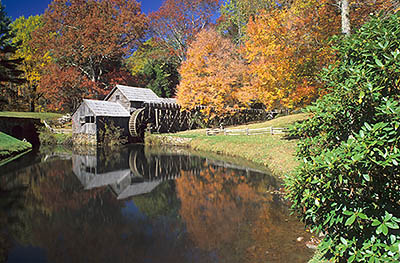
point(136, 204)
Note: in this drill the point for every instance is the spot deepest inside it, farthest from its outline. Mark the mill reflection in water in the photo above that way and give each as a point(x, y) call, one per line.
point(143, 205)
point(135, 173)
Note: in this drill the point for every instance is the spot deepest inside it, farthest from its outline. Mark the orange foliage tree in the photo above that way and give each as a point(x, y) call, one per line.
point(90, 37)
point(213, 75)
point(225, 209)
point(287, 47)
point(176, 23)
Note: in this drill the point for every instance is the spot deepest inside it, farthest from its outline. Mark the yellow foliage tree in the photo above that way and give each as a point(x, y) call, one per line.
point(287, 47)
point(33, 62)
point(213, 76)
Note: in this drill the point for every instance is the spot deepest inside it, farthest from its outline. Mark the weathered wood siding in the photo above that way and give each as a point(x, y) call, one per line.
point(84, 165)
point(122, 99)
point(77, 126)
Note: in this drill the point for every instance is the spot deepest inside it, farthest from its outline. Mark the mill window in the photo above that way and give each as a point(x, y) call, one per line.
point(89, 119)
point(136, 104)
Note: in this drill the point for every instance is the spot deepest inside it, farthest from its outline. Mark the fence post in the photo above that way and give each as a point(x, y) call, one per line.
point(272, 131)
point(247, 131)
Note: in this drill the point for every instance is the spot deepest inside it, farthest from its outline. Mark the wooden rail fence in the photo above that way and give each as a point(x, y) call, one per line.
point(53, 130)
point(267, 130)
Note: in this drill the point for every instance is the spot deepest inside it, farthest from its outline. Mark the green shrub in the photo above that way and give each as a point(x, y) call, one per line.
point(112, 135)
point(48, 137)
point(348, 183)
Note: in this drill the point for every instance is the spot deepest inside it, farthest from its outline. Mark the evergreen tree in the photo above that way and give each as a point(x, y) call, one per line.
point(9, 72)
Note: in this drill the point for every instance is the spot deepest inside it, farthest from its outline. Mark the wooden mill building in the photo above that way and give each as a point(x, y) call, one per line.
point(131, 98)
point(92, 115)
point(136, 110)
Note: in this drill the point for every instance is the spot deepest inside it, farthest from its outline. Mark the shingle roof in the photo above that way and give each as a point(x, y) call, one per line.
point(104, 179)
point(137, 94)
point(106, 108)
point(138, 189)
point(169, 100)
point(164, 100)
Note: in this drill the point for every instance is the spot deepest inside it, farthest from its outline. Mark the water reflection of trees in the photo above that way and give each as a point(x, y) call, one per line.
point(77, 225)
point(210, 213)
point(162, 202)
point(11, 213)
point(229, 213)
point(35, 194)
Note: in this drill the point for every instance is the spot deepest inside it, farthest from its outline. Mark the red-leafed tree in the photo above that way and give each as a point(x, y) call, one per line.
point(90, 38)
point(176, 22)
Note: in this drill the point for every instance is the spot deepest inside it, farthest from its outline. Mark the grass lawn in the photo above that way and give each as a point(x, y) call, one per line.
point(47, 116)
point(10, 147)
point(273, 151)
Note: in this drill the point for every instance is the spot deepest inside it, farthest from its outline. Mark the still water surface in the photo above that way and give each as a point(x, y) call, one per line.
point(143, 205)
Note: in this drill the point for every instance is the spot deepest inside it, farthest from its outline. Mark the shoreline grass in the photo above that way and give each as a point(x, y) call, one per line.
point(273, 151)
point(47, 116)
point(11, 148)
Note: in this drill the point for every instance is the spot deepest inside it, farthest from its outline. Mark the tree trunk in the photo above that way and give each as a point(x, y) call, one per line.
point(33, 98)
point(32, 107)
point(345, 17)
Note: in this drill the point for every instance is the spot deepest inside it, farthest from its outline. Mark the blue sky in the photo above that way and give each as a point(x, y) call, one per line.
point(17, 8)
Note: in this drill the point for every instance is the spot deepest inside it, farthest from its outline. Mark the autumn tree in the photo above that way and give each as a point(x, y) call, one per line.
point(287, 47)
point(235, 14)
point(89, 37)
point(68, 86)
point(33, 62)
point(213, 75)
point(273, 53)
point(177, 22)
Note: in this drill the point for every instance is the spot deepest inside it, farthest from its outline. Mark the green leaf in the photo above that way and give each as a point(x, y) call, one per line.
point(366, 177)
point(376, 222)
point(388, 216)
point(351, 259)
point(379, 63)
point(371, 259)
point(396, 219)
point(350, 220)
point(362, 216)
point(392, 225)
point(385, 230)
point(343, 240)
point(347, 213)
point(379, 229)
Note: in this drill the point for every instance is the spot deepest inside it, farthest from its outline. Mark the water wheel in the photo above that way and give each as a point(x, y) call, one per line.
point(137, 164)
point(138, 122)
